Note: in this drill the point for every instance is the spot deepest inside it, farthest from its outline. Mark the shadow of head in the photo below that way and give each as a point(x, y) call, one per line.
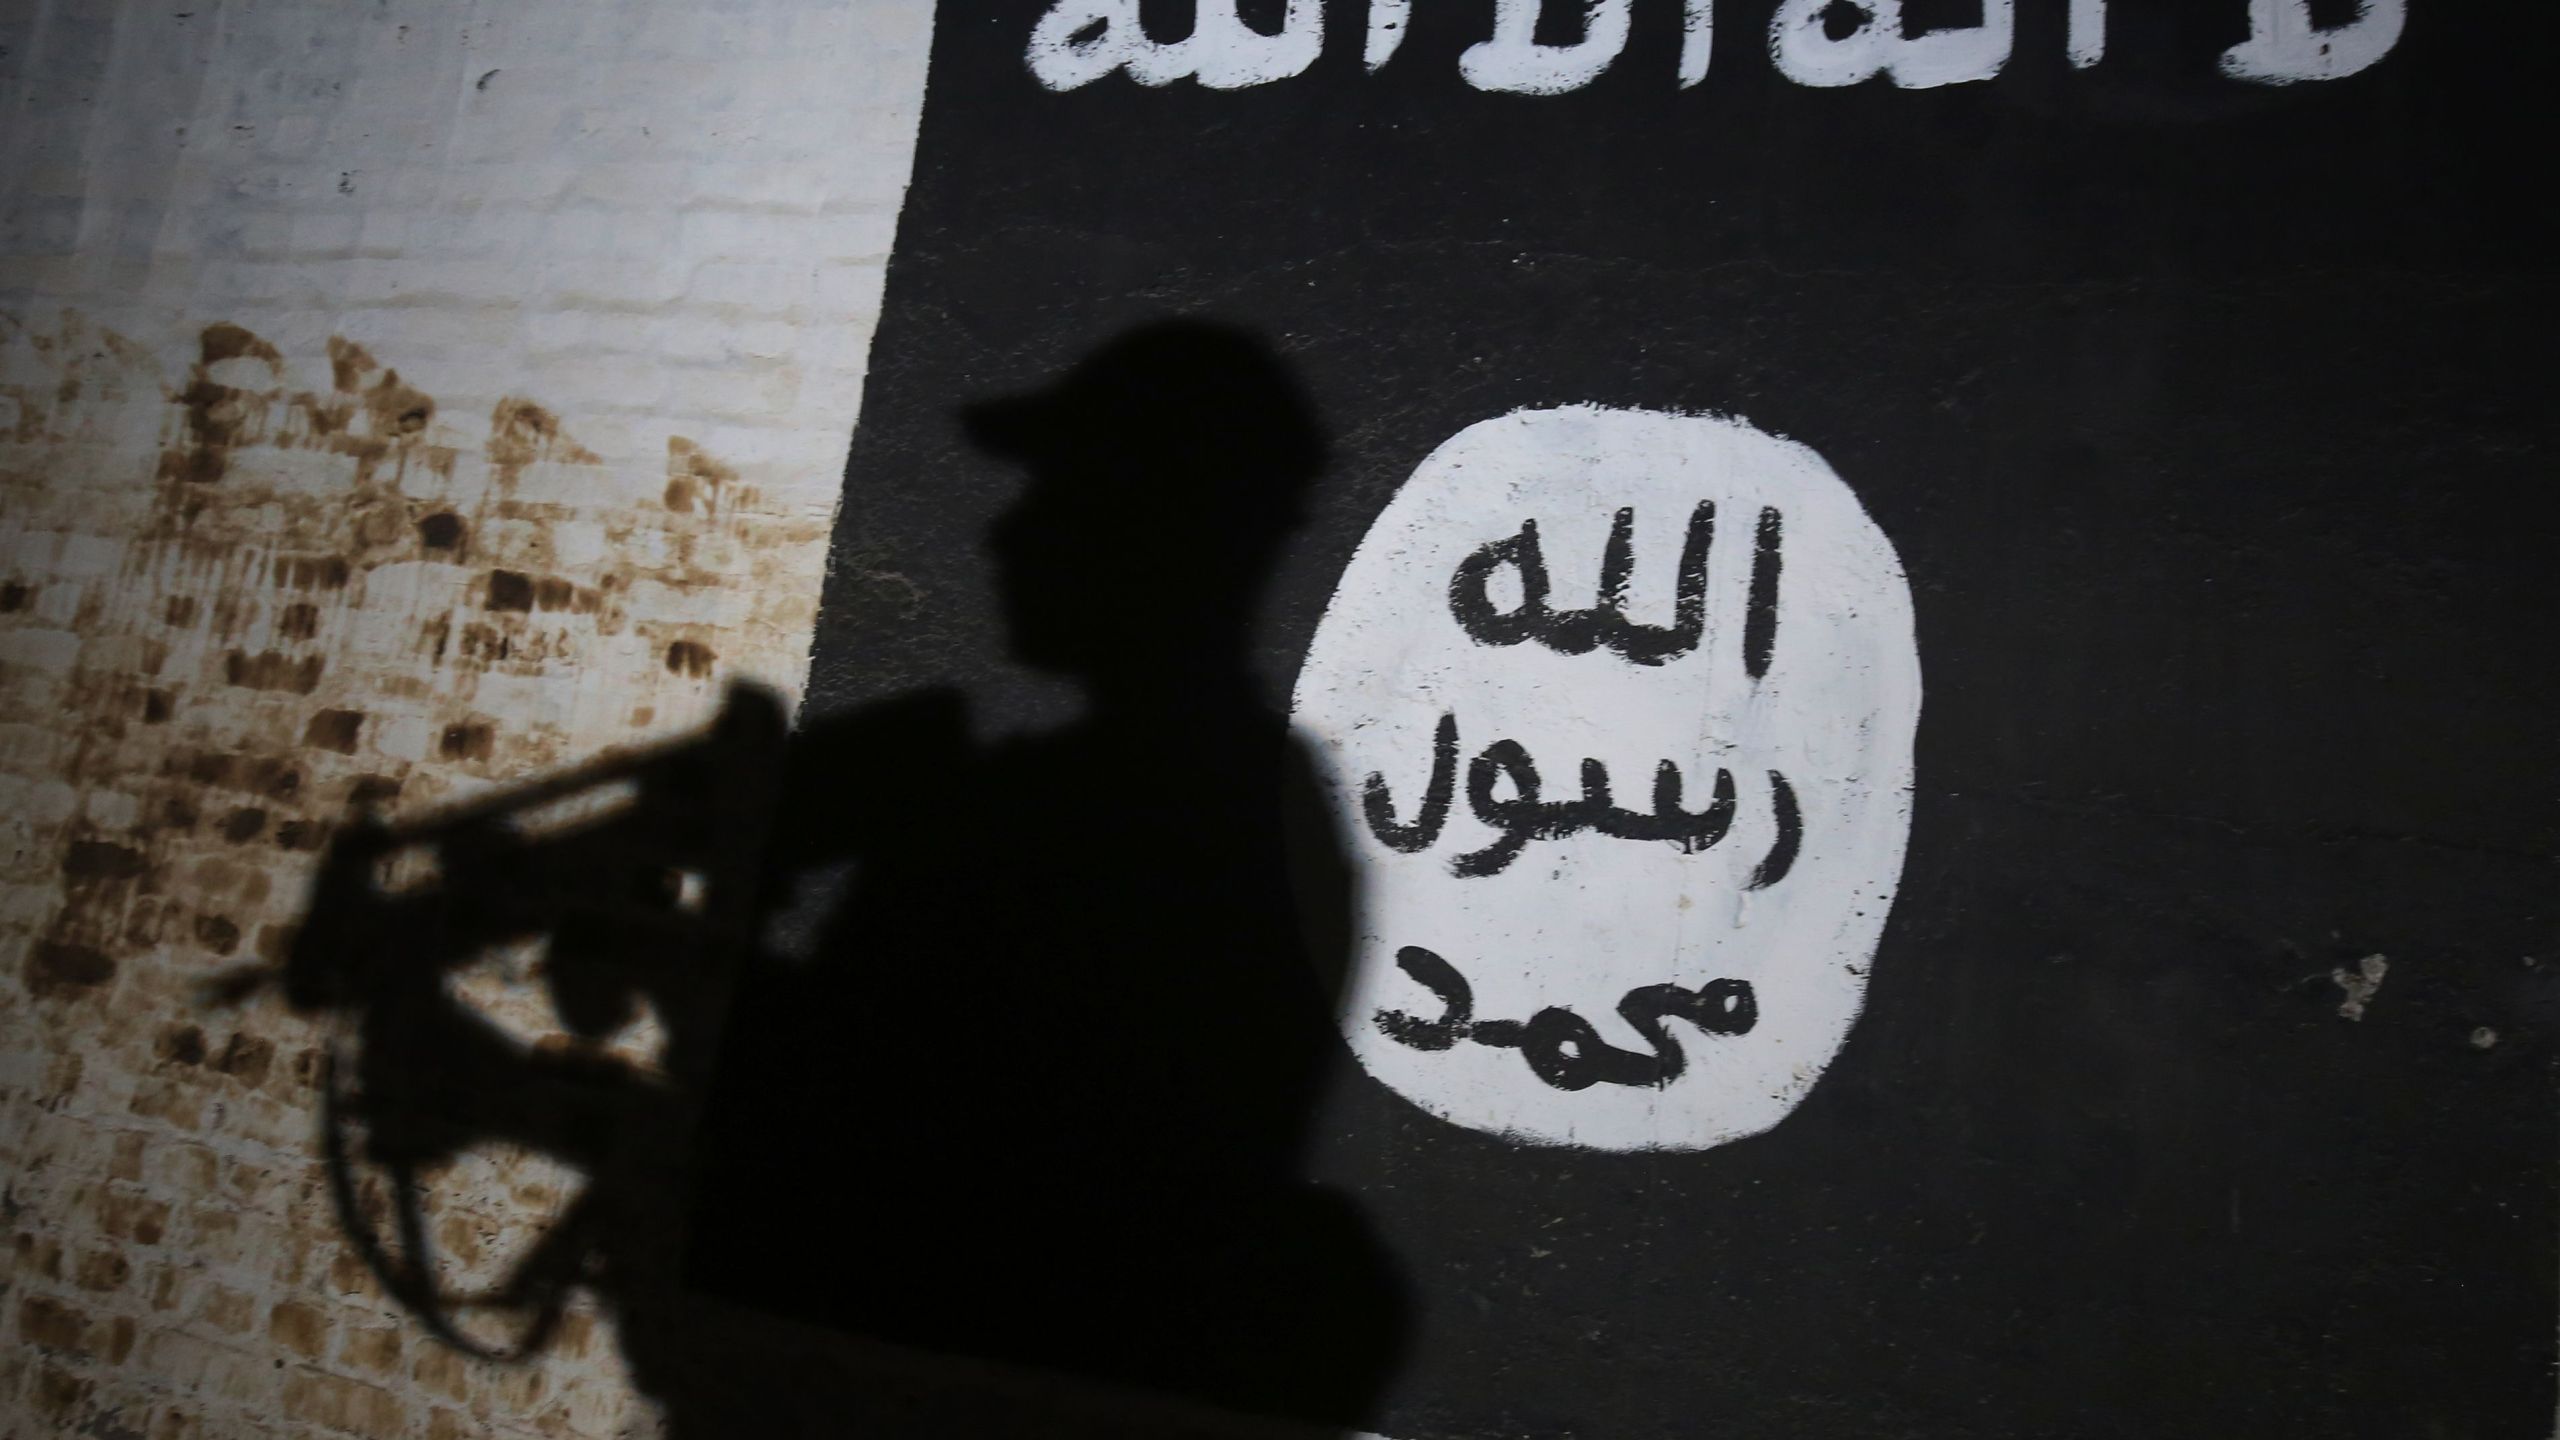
point(1166, 470)
point(1034, 1092)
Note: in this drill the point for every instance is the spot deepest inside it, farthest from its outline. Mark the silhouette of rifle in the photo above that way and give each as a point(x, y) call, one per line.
point(634, 877)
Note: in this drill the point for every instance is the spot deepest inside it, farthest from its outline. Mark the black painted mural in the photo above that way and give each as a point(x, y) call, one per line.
point(2201, 1083)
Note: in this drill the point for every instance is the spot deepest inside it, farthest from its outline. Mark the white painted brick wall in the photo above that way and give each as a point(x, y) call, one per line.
point(663, 223)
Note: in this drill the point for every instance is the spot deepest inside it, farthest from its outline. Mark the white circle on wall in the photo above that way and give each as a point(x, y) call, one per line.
point(1614, 710)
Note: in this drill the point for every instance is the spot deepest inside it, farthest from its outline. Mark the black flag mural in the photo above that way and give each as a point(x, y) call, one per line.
point(1662, 718)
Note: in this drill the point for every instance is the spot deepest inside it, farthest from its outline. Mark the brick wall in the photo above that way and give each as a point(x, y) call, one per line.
point(396, 400)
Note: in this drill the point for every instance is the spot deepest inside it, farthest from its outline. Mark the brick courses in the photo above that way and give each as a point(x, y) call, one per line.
point(394, 404)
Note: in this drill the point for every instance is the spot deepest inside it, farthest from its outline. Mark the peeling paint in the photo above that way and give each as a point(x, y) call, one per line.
point(303, 602)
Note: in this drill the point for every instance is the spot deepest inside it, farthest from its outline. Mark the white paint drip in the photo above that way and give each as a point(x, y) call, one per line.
point(2284, 45)
point(1387, 21)
point(2086, 40)
point(1581, 918)
point(1079, 41)
point(1513, 61)
point(1697, 40)
point(1806, 52)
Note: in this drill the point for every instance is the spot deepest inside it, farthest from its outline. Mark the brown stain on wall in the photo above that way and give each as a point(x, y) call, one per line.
point(443, 531)
point(329, 593)
point(273, 670)
point(690, 658)
point(223, 340)
point(468, 741)
point(181, 1045)
point(217, 415)
point(522, 433)
point(510, 590)
point(397, 411)
point(217, 934)
point(58, 967)
point(334, 730)
point(92, 862)
point(694, 479)
point(311, 572)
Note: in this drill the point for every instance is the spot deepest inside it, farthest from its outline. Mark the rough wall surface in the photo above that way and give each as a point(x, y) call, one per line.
point(2202, 1082)
point(395, 400)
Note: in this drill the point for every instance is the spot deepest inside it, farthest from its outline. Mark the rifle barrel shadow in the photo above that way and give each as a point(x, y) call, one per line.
point(1003, 1053)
